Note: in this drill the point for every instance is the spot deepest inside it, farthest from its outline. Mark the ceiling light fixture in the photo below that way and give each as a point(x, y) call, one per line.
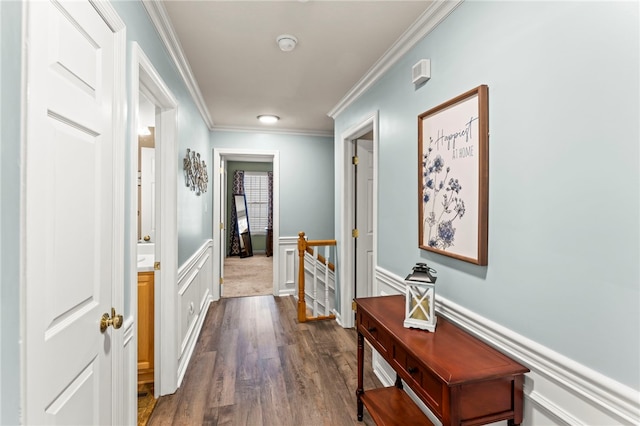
point(268, 119)
point(286, 42)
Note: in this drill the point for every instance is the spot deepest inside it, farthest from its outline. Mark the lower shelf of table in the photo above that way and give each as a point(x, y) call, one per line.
point(392, 406)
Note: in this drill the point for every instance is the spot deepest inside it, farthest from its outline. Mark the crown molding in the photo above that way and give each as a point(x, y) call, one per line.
point(294, 132)
point(435, 14)
point(162, 24)
point(429, 19)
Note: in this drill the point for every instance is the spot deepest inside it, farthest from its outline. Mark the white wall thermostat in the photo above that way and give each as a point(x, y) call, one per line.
point(421, 71)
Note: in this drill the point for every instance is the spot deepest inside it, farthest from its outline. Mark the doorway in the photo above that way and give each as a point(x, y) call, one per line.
point(155, 239)
point(146, 254)
point(248, 265)
point(358, 218)
point(222, 159)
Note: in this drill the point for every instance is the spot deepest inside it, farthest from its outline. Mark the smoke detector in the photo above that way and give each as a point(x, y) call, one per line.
point(286, 42)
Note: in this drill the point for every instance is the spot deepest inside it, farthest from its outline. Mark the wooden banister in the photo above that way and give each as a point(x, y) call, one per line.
point(305, 245)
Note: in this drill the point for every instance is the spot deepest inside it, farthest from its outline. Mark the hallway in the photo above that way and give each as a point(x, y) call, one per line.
point(249, 276)
point(254, 364)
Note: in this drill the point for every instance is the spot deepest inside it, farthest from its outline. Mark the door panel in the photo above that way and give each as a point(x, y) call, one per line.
point(69, 214)
point(148, 193)
point(223, 224)
point(364, 219)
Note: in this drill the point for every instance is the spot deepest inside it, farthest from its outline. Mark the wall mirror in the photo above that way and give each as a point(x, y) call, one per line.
point(242, 225)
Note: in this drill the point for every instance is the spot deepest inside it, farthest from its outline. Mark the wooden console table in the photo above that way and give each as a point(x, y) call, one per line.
point(461, 379)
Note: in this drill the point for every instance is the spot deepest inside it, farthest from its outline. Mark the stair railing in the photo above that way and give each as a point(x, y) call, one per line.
point(305, 246)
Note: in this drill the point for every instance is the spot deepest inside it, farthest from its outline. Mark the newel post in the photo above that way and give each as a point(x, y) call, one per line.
point(302, 305)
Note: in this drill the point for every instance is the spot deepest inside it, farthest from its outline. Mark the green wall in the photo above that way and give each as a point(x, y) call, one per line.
point(258, 242)
point(564, 187)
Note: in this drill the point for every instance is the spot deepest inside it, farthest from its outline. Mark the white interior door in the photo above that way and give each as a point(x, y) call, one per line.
point(223, 222)
point(148, 193)
point(71, 217)
point(364, 218)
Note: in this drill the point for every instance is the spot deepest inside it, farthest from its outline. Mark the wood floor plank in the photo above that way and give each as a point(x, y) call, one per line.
point(193, 401)
point(254, 365)
point(224, 377)
point(272, 389)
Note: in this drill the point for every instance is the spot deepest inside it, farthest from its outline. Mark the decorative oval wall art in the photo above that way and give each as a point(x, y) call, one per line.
point(195, 172)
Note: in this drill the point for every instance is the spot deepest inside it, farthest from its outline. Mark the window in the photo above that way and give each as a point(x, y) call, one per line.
point(256, 191)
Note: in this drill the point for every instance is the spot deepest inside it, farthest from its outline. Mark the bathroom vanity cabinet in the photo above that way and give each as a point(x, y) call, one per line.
point(145, 327)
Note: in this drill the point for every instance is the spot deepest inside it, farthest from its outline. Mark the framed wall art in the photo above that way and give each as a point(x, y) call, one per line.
point(453, 177)
point(195, 172)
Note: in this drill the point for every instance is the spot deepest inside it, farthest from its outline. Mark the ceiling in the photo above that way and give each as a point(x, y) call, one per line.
point(238, 71)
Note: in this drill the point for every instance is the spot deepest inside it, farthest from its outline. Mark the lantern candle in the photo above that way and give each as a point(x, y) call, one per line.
point(420, 298)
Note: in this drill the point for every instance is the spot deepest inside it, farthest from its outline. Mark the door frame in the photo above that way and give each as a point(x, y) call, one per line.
point(144, 76)
point(220, 157)
point(346, 254)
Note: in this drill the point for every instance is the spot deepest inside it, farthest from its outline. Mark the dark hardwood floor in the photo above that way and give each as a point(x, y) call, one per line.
point(254, 364)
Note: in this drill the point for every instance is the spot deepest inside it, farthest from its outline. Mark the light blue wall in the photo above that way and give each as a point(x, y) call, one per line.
point(306, 178)
point(564, 171)
point(10, 44)
point(194, 212)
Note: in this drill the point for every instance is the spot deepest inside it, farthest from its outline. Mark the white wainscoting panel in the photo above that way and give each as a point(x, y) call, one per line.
point(195, 288)
point(288, 266)
point(557, 391)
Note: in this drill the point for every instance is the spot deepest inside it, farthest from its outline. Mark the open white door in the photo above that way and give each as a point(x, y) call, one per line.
point(364, 218)
point(74, 215)
point(223, 223)
point(148, 193)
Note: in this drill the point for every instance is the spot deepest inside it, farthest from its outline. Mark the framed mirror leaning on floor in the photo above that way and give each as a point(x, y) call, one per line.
point(242, 225)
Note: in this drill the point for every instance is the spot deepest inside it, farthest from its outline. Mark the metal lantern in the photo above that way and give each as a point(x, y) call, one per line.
point(420, 287)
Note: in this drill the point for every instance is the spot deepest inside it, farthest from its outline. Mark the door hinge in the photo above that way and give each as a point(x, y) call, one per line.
point(354, 160)
point(221, 225)
point(221, 170)
point(355, 233)
point(156, 266)
point(354, 307)
point(221, 280)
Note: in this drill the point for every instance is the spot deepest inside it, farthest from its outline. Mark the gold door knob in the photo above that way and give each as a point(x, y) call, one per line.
point(116, 319)
point(113, 320)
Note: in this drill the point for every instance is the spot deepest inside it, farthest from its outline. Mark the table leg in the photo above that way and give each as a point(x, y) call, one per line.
point(360, 389)
point(398, 382)
point(518, 398)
